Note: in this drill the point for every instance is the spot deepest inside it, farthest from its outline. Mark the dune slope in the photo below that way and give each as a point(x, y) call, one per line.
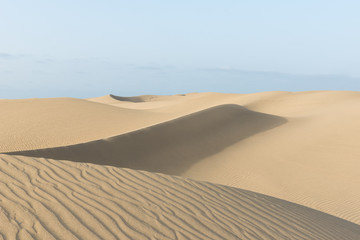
point(170, 147)
point(40, 123)
point(53, 199)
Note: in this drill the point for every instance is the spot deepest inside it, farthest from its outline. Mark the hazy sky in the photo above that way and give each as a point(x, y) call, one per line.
point(84, 48)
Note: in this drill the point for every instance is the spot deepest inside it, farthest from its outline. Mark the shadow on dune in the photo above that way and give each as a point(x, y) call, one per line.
point(135, 99)
point(170, 147)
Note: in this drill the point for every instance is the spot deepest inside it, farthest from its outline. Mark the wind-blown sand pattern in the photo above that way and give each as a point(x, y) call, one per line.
point(52, 199)
point(301, 147)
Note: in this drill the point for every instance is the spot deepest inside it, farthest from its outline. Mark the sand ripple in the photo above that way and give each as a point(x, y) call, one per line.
point(54, 199)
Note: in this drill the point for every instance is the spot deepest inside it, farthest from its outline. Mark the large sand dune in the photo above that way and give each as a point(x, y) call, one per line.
point(301, 147)
point(170, 147)
point(55, 199)
point(40, 123)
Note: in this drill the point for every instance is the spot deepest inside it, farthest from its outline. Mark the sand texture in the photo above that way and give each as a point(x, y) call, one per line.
point(56, 199)
point(271, 165)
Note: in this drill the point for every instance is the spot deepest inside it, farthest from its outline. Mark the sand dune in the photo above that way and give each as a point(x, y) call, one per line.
point(177, 105)
point(312, 160)
point(111, 98)
point(29, 124)
point(54, 199)
point(319, 146)
point(171, 147)
point(40, 123)
point(302, 147)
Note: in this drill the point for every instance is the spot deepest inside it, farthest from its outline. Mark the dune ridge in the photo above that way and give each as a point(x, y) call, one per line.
point(170, 147)
point(55, 199)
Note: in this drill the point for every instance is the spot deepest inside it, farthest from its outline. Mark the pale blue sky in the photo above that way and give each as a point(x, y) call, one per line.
point(84, 48)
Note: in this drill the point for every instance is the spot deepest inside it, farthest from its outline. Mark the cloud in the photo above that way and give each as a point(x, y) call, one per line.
point(229, 70)
point(142, 67)
point(45, 60)
point(255, 81)
point(6, 56)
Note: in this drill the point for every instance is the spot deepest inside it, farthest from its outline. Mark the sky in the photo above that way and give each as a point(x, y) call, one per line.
point(88, 48)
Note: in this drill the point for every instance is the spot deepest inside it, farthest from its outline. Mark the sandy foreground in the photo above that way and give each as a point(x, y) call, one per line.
point(272, 165)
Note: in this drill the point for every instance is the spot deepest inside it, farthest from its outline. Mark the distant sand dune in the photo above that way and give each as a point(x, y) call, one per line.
point(142, 98)
point(135, 99)
point(180, 104)
point(52, 199)
point(170, 147)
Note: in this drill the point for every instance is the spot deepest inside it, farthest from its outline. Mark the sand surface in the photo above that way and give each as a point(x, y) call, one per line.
point(57, 199)
point(300, 147)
